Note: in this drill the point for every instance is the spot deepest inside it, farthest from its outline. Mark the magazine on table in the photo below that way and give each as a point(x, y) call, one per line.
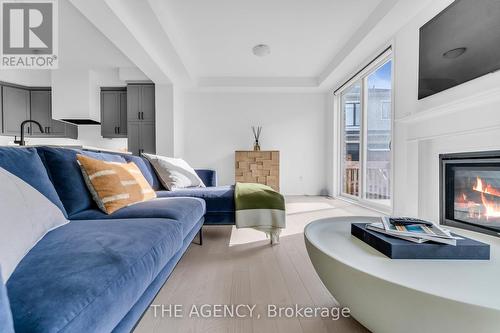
point(417, 233)
point(379, 227)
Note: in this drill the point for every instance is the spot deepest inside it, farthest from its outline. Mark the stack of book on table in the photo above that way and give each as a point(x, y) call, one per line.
point(413, 230)
point(408, 238)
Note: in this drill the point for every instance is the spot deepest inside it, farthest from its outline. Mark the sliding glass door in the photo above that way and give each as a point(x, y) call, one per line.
point(366, 159)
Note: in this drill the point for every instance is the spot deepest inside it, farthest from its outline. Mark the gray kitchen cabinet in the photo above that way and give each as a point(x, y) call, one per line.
point(141, 137)
point(15, 109)
point(123, 114)
point(148, 102)
point(141, 118)
point(58, 128)
point(71, 131)
point(41, 111)
point(133, 102)
point(134, 137)
point(148, 138)
point(21, 103)
point(141, 102)
point(114, 114)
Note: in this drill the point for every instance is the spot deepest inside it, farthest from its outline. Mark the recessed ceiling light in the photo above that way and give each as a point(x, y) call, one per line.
point(455, 53)
point(261, 50)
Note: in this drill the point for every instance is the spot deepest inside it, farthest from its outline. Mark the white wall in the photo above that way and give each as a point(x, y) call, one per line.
point(26, 77)
point(218, 123)
point(90, 135)
point(179, 121)
point(331, 146)
point(164, 114)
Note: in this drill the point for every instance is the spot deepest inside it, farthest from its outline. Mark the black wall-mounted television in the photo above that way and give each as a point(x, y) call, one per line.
point(460, 44)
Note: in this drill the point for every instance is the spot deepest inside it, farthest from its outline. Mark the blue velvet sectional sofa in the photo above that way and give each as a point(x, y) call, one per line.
point(99, 273)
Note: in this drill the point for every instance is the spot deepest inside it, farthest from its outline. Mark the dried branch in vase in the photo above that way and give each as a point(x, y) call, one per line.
point(256, 134)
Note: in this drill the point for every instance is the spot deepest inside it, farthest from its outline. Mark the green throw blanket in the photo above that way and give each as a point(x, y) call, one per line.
point(260, 207)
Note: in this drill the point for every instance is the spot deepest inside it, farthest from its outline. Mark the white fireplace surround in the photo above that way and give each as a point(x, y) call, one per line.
point(476, 128)
point(466, 124)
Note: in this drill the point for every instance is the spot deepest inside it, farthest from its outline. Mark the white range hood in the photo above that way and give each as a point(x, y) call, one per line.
point(75, 96)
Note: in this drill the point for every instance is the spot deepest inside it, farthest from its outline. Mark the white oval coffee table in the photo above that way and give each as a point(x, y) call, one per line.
point(394, 296)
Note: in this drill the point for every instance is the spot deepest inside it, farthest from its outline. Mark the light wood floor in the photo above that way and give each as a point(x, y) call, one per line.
point(240, 267)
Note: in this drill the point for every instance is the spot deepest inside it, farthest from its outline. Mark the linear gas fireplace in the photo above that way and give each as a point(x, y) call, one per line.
point(470, 191)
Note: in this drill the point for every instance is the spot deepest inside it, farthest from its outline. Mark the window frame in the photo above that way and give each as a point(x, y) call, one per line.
point(362, 77)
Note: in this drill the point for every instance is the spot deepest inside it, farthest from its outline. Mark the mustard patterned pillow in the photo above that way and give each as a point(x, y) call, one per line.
point(114, 185)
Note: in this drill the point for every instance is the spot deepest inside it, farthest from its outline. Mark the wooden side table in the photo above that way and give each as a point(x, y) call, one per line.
point(261, 167)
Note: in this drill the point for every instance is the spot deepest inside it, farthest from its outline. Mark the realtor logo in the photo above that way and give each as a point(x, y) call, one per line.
point(29, 34)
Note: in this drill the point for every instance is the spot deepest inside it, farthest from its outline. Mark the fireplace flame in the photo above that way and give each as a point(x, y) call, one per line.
point(491, 207)
point(484, 187)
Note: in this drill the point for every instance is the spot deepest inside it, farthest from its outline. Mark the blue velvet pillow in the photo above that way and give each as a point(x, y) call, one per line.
point(104, 156)
point(26, 164)
point(6, 324)
point(208, 176)
point(146, 169)
point(67, 176)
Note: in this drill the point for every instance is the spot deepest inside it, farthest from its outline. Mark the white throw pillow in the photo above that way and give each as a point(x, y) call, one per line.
point(27, 215)
point(174, 173)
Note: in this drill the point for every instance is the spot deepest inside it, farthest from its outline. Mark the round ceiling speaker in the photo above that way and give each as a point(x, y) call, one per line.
point(455, 53)
point(261, 50)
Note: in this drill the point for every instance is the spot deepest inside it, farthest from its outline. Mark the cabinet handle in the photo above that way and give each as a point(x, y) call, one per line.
point(142, 115)
point(118, 130)
point(138, 115)
point(48, 129)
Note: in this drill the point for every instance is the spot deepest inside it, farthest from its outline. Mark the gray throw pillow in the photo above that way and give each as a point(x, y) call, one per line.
point(174, 173)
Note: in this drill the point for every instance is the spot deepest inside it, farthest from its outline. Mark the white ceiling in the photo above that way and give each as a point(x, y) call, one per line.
point(214, 38)
point(208, 44)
